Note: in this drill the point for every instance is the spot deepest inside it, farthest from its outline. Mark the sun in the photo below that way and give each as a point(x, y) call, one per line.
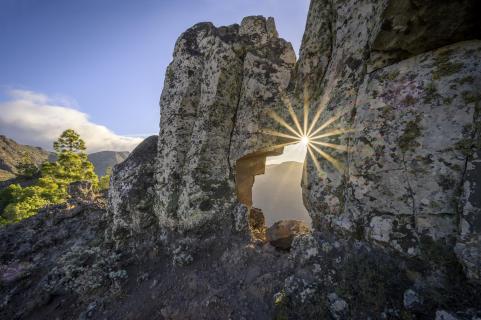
point(312, 134)
point(305, 140)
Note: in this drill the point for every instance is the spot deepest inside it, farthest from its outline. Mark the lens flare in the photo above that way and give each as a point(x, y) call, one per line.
point(305, 140)
point(311, 134)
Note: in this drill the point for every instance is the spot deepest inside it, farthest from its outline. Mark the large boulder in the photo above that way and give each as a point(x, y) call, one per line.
point(257, 224)
point(131, 197)
point(217, 91)
point(281, 233)
point(409, 152)
point(403, 75)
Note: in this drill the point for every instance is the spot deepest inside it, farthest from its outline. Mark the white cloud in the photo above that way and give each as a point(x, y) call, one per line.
point(35, 119)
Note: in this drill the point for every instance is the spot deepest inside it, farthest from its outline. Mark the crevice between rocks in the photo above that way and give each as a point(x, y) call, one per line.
point(234, 119)
point(410, 190)
point(459, 195)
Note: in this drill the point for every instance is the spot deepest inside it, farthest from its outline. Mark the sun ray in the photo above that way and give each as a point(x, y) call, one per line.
point(279, 134)
point(320, 109)
point(282, 122)
point(306, 111)
point(322, 105)
point(315, 161)
point(308, 134)
point(337, 164)
point(293, 115)
point(276, 146)
point(330, 145)
point(325, 125)
point(334, 132)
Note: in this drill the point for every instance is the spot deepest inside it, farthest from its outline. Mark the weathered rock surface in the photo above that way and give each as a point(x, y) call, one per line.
point(81, 192)
point(217, 90)
point(132, 195)
point(281, 233)
point(53, 258)
point(409, 151)
point(468, 246)
point(411, 94)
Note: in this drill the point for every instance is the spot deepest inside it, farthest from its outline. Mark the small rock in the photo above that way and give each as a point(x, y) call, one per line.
point(338, 306)
point(281, 233)
point(154, 284)
point(181, 259)
point(91, 309)
point(256, 218)
point(444, 315)
point(257, 225)
point(412, 299)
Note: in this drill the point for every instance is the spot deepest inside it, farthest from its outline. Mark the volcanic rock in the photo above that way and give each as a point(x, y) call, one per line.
point(411, 96)
point(281, 233)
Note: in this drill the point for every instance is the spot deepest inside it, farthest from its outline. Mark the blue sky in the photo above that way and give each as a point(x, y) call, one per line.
point(107, 58)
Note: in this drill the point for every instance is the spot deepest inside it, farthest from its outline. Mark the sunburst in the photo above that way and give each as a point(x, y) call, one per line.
point(312, 134)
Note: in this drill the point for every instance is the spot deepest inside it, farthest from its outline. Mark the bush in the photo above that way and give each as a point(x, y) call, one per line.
point(26, 168)
point(104, 181)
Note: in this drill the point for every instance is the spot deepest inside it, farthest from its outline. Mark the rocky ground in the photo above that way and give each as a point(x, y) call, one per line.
point(53, 266)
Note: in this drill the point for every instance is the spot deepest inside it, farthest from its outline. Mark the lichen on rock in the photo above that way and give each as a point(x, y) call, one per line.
point(223, 80)
point(413, 127)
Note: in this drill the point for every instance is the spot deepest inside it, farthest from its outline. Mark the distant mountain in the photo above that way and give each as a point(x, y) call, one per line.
point(12, 153)
point(105, 159)
point(278, 193)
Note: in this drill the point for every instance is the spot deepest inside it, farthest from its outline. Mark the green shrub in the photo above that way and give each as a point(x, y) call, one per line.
point(104, 181)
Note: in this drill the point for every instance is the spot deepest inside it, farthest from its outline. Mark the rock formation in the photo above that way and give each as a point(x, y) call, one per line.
point(396, 225)
point(411, 93)
point(217, 90)
point(281, 233)
point(131, 196)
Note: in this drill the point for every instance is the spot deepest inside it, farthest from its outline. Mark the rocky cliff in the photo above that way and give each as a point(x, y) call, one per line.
point(396, 232)
point(403, 78)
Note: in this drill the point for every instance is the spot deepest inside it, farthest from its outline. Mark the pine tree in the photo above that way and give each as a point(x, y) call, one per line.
point(69, 140)
point(51, 188)
point(26, 168)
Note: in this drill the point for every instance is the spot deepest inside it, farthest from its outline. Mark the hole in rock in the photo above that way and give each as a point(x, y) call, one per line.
point(271, 181)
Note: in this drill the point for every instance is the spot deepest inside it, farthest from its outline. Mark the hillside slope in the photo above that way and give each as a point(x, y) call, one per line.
point(278, 193)
point(102, 160)
point(12, 153)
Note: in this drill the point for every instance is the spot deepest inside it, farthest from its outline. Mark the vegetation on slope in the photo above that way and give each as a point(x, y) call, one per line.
point(53, 179)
